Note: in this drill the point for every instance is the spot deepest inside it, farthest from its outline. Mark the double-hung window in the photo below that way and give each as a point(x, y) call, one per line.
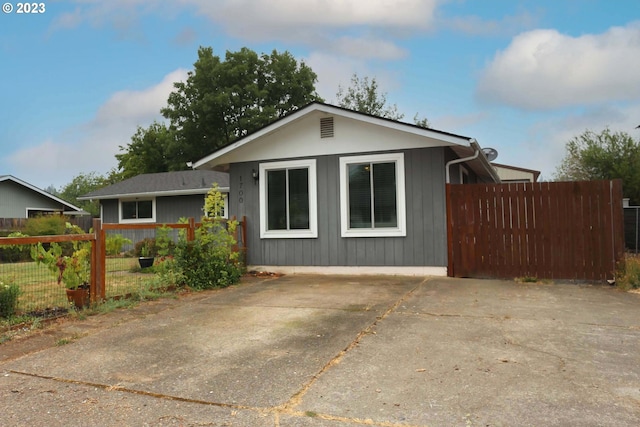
point(288, 199)
point(137, 211)
point(372, 195)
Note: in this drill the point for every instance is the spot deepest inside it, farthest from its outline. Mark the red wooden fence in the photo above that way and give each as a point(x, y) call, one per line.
point(551, 230)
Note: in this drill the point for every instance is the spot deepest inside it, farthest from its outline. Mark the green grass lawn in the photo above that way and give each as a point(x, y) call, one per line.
point(40, 289)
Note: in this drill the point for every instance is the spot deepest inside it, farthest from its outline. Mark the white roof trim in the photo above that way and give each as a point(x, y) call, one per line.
point(37, 190)
point(329, 109)
point(156, 194)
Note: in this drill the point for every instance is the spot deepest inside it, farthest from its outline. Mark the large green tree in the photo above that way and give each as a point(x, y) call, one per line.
point(221, 101)
point(148, 151)
point(364, 95)
point(604, 155)
point(81, 184)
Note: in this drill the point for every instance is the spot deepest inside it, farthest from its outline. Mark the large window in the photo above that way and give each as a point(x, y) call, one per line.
point(137, 211)
point(288, 201)
point(372, 198)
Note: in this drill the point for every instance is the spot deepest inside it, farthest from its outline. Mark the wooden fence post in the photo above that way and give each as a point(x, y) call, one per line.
point(235, 247)
point(244, 237)
point(191, 231)
point(98, 267)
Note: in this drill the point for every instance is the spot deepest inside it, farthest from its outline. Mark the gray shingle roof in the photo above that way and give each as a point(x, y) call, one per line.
point(163, 184)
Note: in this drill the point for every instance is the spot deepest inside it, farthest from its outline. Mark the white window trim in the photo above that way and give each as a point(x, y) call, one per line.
point(401, 229)
point(225, 198)
point(312, 232)
point(141, 220)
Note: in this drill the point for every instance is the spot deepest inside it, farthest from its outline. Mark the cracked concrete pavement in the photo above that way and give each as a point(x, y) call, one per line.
point(322, 351)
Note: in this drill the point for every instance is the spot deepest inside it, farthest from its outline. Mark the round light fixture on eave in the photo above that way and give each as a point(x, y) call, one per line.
point(490, 153)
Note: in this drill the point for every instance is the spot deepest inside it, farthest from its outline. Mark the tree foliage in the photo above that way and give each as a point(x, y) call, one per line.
point(85, 183)
point(147, 152)
point(209, 261)
point(422, 122)
point(363, 95)
point(221, 101)
point(604, 155)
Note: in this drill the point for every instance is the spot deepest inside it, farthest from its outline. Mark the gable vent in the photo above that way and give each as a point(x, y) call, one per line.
point(326, 127)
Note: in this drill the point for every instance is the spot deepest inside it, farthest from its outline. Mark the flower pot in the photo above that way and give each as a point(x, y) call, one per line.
point(145, 262)
point(79, 297)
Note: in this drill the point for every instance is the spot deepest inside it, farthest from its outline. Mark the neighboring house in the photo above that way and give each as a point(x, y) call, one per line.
point(331, 190)
point(515, 174)
point(157, 197)
point(19, 199)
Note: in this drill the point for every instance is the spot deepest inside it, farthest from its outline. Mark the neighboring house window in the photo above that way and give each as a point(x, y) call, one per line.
point(372, 195)
point(225, 207)
point(137, 211)
point(288, 199)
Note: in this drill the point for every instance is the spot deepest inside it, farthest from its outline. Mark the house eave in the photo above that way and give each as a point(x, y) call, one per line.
point(480, 164)
point(220, 159)
point(152, 194)
point(42, 192)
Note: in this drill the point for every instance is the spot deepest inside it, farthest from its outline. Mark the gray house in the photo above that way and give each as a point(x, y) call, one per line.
point(157, 197)
point(19, 199)
point(330, 190)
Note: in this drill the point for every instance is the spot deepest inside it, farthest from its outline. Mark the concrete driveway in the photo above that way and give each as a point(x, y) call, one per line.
point(339, 351)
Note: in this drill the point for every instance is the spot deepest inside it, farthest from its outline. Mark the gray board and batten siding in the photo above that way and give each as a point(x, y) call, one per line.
point(16, 199)
point(424, 245)
point(169, 209)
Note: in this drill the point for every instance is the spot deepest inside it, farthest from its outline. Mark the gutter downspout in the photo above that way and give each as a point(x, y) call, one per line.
point(455, 161)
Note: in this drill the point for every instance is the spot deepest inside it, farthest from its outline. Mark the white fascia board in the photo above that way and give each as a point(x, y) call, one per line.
point(243, 141)
point(485, 162)
point(42, 192)
point(156, 194)
point(218, 157)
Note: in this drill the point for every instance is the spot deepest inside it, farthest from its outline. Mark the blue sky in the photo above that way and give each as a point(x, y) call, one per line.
point(523, 77)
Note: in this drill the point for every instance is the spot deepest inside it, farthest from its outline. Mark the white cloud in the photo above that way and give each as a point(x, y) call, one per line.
point(332, 71)
point(265, 17)
point(477, 26)
point(347, 27)
point(368, 48)
point(92, 146)
point(546, 140)
point(337, 26)
point(120, 15)
point(544, 69)
point(451, 123)
point(135, 106)
point(335, 70)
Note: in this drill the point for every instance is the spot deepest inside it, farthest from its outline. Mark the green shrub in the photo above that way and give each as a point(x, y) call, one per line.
point(46, 225)
point(167, 272)
point(165, 246)
point(9, 293)
point(628, 274)
point(114, 244)
point(145, 248)
point(209, 261)
point(15, 253)
point(205, 266)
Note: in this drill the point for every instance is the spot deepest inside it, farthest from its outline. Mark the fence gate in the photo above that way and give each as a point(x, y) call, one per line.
point(551, 230)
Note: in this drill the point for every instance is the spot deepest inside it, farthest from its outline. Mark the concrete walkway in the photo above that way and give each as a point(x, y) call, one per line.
point(339, 351)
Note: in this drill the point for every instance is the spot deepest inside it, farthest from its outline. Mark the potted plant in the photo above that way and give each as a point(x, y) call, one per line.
point(147, 257)
point(71, 270)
